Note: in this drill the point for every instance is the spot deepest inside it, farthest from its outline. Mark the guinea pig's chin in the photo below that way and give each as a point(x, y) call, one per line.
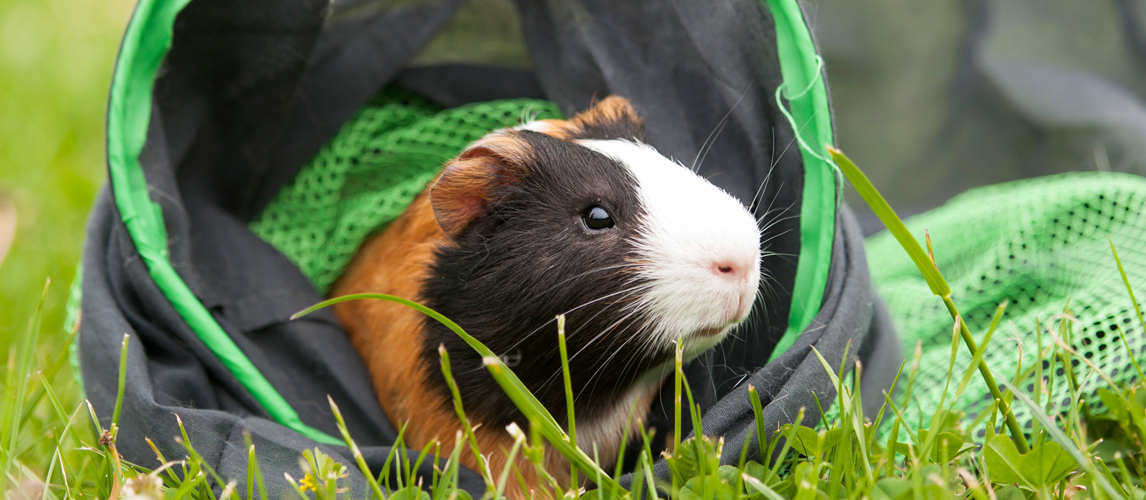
point(703, 340)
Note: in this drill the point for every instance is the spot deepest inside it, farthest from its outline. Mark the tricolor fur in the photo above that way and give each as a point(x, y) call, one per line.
point(501, 244)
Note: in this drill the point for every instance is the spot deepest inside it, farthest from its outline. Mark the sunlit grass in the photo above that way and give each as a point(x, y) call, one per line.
point(56, 58)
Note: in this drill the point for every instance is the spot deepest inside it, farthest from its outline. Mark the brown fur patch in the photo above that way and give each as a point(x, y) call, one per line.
point(610, 109)
point(388, 336)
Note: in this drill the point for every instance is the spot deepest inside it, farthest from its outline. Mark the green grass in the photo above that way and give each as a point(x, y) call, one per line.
point(51, 446)
point(55, 66)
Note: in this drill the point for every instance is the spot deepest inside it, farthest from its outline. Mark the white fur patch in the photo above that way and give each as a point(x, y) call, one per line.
point(604, 434)
point(691, 230)
point(534, 126)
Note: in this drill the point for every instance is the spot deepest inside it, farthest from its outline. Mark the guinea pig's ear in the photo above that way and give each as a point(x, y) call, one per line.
point(464, 190)
point(610, 118)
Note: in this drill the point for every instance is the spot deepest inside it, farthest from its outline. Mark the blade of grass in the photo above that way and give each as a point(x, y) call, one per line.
point(930, 273)
point(455, 394)
point(1126, 281)
point(618, 470)
point(568, 395)
point(449, 477)
point(504, 478)
point(358, 458)
point(552, 432)
point(412, 472)
point(891, 390)
point(391, 458)
point(758, 413)
point(760, 488)
point(30, 404)
point(18, 380)
point(1067, 444)
point(509, 382)
point(1137, 311)
point(977, 357)
point(845, 404)
point(294, 484)
point(646, 456)
point(788, 440)
point(194, 455)
point(251, 458)
point(163, 460)
point(894, 224)
point(122, 382)
point(48, 475)
point(677, 377)
point(1133, 359)
point(52, 398)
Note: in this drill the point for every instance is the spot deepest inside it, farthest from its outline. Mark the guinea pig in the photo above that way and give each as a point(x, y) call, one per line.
point(577, 217)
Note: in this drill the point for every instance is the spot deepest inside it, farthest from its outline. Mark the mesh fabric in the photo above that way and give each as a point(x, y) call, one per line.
point(1040, 245)
point(370, 171)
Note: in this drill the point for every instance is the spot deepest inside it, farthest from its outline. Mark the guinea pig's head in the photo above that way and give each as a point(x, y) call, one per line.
point(580, 217)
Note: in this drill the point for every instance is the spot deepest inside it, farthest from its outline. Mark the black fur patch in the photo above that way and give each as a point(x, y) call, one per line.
point(530, 259)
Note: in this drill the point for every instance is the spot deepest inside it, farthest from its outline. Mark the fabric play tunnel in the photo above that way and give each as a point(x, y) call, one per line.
point(253, 145)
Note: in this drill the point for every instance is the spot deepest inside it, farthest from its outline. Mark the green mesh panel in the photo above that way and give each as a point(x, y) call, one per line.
point(1035, 244)
point(367, 174)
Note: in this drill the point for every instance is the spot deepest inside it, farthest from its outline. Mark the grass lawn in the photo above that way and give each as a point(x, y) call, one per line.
point(56, 59)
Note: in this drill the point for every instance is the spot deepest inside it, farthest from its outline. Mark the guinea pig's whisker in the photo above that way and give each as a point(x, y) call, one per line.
point(589, 320)
point(774, 236)
point(776, 159)
point(766, 291)
point(754, 206)
point(771, 204)
point(758, 316)
point(759, 299)
point(604, 366)
point(587, 345)
point(604, 332)
point(595, 378)
point(577, 276)
point(711, 139)
point(766, 276)
point(587, 303)
point(743, 376)
point(641, 336)
point(624, 294)
point(767, 226)
point(767, 178)
point(528, 115)
point(707, 146)
point(772, 160)
point(776, 212)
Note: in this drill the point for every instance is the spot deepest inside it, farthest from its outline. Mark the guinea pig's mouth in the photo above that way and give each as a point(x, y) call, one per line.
point(714, 331)
point(710, 332)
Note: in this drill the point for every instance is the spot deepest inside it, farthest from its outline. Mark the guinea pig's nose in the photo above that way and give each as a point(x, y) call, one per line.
point(730, 269)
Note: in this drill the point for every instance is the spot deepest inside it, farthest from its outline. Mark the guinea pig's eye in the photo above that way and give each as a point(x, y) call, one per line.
point(596, 218)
